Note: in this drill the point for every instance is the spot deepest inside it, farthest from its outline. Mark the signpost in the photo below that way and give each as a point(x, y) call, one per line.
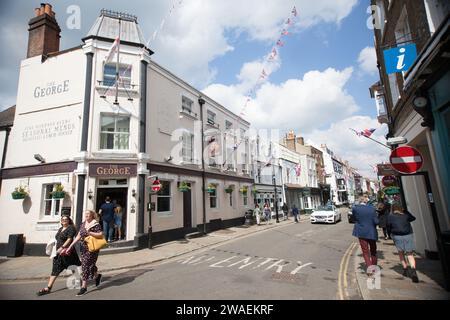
point(406, 160)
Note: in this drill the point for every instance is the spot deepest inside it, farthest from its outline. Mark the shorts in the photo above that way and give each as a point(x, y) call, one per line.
point(404, 243)
point(118, 221)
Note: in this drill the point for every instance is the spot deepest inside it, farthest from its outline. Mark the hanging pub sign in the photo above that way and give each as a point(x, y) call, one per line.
point(400, 59)
point(388, 181)
point(112, 170)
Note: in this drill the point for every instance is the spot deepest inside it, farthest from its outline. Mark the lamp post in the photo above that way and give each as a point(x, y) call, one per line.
point(275, 201)
point(201, 102)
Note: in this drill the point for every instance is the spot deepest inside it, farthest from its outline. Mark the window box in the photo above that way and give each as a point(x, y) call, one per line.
point(243, 190)
point(58, 192)
point(211, 188)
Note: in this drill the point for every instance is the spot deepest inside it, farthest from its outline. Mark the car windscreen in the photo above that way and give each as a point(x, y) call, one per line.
point(325, 208)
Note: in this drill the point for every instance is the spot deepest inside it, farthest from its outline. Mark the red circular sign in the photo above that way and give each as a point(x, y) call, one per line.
point(156, 186)
point(388, 181)
point(406, 160)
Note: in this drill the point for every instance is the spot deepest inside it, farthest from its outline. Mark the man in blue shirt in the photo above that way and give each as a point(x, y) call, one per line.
point(365, 230)
point(107, 213)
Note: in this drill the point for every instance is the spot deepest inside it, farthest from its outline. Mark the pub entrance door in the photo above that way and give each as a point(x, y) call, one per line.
point(118, 195)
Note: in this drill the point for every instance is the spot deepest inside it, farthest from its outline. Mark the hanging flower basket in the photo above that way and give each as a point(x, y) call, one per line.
point(19, 193)
point(184, 187)
point(229, 189)
point(58, 192)
point(254, 190)
point(211, 188)
point(243, 190)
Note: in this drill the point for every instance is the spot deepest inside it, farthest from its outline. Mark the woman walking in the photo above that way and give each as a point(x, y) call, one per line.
point(399, 226)
point(64, 256)
point(267, 213)
point(383, 212)
point(90, 227)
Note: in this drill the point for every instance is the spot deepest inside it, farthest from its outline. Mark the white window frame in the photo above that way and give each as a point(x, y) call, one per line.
point(393, 86)
point(187, 150)
point(216, 197)
point(124, 81)
point(186, 104)
point(114, 133)
point(167, 213)
point(210, 117)
point(53, 215)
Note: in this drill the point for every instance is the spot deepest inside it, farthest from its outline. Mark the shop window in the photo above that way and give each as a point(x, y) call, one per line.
point(51, 207)
point(109, 75)
point(163, 203)
point(115, 132)
point(213, 199)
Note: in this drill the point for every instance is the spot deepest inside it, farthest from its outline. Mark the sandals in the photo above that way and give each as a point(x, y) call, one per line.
point(44, 291)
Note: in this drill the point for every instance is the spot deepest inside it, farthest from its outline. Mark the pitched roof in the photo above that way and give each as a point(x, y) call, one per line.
point(7, 117)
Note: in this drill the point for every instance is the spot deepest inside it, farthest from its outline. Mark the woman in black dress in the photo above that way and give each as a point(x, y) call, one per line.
point(90, 227)
point(64, 257)
point(383, 212)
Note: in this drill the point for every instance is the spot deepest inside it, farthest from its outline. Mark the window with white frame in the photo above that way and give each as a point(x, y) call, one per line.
point(109, 75)
point(213, 199)
point(51, 207)
point(188, 149)
point(210, 117)
point(186, 104)
point(164, 200)
point(114, 132)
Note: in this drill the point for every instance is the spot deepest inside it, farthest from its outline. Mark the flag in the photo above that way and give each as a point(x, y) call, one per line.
point(367, 132)
point(264, 74)
point(289, 22)
point(294, 11)
point(112, 50)
point(280, 43)
point(273, 54)
point(284, 32)
point(298, 169)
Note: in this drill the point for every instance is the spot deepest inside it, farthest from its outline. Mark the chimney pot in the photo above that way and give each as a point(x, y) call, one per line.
point(37, 12)
point(48, 9)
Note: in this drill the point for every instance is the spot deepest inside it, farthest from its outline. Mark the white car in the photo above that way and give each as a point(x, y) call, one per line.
point(325, 214)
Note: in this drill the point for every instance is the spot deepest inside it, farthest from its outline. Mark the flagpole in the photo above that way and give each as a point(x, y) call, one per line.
point(116, 102)
point(380, 143)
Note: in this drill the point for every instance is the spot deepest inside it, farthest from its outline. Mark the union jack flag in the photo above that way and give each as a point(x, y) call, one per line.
point(367, 132)
point(294, 11)
point(280, 43)
point(284, 32)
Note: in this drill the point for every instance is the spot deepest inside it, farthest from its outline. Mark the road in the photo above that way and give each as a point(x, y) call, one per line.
point(295, 261)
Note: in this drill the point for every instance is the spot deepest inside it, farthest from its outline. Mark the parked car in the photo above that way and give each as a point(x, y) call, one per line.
point(325, 214)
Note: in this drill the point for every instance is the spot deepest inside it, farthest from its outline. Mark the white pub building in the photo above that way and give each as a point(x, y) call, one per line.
point(73, 132)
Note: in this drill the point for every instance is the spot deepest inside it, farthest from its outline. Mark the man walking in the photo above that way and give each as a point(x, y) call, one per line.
point(295, 213)
point(285, 210)
point(107, 213)
point(365, 230)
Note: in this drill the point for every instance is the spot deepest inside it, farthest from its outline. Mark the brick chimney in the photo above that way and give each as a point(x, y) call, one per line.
point(43, 33)
point(290, 141)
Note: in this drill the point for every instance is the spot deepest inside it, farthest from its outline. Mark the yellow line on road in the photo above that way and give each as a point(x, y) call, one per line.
point(342, 277)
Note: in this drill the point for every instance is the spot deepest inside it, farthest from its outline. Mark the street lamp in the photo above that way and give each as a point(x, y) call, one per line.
point(275, 201)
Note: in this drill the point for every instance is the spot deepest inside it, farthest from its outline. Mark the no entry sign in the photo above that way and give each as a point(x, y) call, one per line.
point(406, 160)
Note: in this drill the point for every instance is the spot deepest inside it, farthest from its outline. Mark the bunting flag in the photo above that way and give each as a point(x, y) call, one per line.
point(298, 169)
point(284, 32)
point(294, 11)
point(280, 43)
point(289, 22)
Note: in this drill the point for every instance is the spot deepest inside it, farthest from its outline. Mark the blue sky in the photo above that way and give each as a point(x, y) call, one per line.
point(318, 88)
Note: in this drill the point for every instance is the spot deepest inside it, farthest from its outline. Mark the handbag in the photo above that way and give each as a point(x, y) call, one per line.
point(95, 244)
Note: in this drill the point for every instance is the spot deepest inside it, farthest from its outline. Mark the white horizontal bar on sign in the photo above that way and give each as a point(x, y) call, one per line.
point(406, 159)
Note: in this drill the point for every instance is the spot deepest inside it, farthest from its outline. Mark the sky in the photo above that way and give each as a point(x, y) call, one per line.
point(317, 85)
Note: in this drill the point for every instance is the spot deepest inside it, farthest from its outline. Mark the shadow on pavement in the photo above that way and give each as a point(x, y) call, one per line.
point(123, 278)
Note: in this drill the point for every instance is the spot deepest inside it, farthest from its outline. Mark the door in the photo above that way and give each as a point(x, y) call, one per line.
point(118, 196)
point(187, 208)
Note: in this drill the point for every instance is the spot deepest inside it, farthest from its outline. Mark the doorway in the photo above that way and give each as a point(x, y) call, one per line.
point(187, 208)
point(118, 196)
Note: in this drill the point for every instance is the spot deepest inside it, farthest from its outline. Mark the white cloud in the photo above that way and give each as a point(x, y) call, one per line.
point(199, 31)
point(359, 151)
point(296, 103)
point(368, 61)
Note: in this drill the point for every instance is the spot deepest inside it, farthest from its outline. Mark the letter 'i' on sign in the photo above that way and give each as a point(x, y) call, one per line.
point(400, 59)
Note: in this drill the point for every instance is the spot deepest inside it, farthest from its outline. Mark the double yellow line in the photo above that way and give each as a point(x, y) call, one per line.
point(342, 278)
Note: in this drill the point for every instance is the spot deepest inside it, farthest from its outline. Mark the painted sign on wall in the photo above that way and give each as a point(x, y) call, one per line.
point(48, 130)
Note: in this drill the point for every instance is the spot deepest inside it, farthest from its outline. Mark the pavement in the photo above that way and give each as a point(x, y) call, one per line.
point(38, 268)
point(393, 286)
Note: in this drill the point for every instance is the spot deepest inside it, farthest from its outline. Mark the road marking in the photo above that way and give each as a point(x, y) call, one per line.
point(342, 277)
